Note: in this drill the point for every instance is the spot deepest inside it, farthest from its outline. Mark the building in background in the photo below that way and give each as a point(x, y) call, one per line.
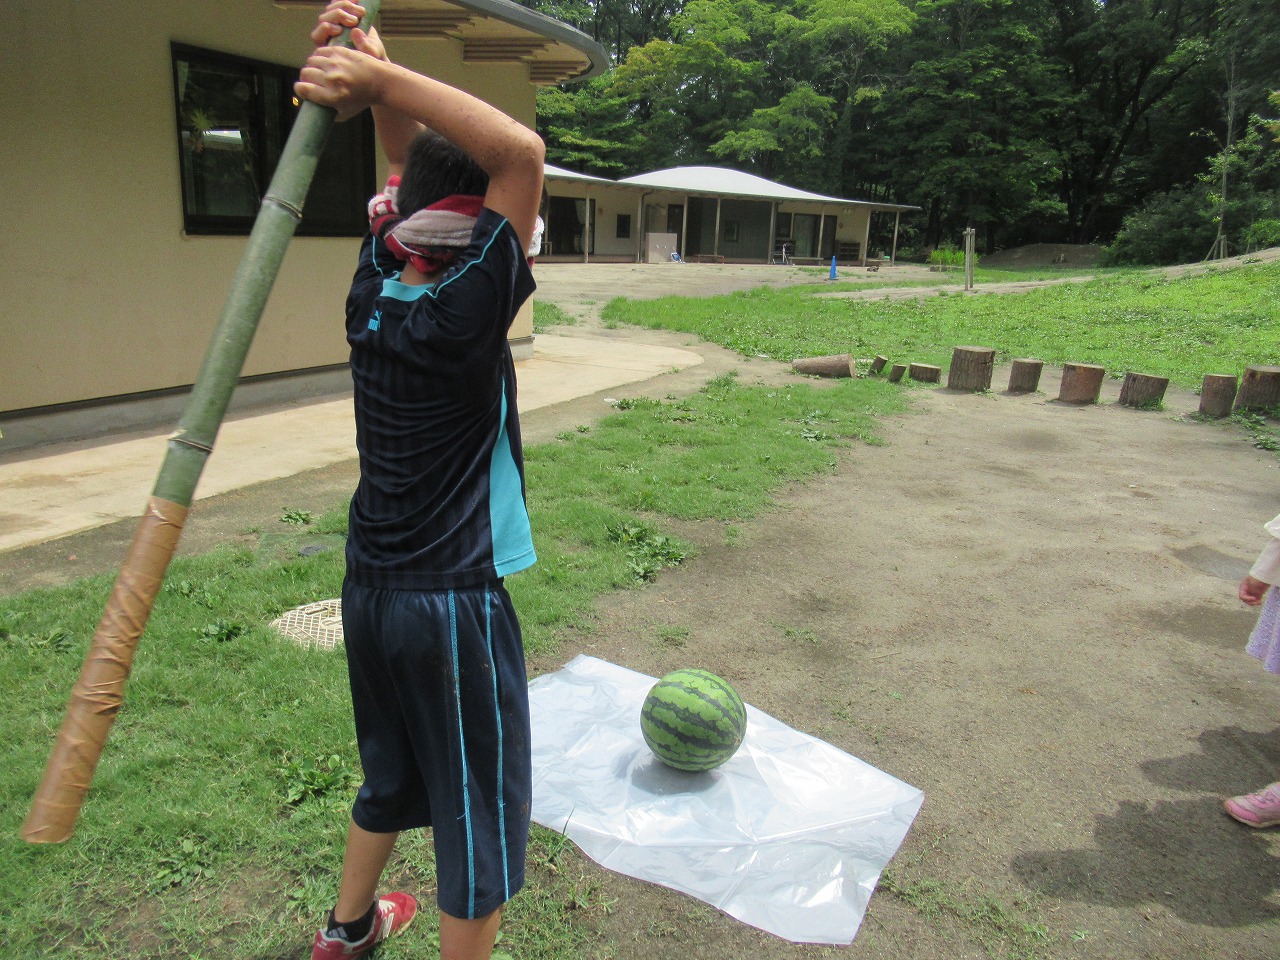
point(140, 137)
point(706, 214)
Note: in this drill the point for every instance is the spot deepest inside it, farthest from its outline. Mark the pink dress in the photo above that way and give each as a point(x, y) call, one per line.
point(1264, 642)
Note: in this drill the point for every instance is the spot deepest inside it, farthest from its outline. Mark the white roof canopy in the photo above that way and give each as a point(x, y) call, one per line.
point(559, 173)
point(723, 182)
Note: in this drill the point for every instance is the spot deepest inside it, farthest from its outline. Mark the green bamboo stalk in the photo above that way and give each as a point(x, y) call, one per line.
point(98, 694)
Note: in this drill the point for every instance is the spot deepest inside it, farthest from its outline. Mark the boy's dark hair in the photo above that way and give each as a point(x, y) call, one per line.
point(435, 169)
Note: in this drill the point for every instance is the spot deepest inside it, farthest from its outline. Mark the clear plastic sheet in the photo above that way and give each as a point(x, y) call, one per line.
point(789, 836)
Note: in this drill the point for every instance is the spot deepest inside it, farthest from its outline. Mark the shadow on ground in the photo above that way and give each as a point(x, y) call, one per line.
point(1186, 856)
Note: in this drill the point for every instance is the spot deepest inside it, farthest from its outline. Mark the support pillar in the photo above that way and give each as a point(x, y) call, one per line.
point(715, 240)
point(684, 228)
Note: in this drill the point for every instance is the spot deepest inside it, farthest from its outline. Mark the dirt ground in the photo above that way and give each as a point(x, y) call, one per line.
point(1042, 254)
point(1025, 609)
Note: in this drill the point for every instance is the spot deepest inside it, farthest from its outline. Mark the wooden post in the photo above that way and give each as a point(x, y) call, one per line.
point(1143, 391)
point(1081, 383)
point(837, 366)
point(925, 372)
point(1024, 376)
point(877, 365)
point(1217, 393)
point(971, 368)
point(969, 235)
point(1260, 389)
point(896, 373)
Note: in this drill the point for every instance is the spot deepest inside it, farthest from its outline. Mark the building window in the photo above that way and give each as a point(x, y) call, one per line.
point(731, 231)
point(234, 116)
point(624, 226)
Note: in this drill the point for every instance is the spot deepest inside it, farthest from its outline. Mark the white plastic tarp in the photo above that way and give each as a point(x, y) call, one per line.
point(790, 835)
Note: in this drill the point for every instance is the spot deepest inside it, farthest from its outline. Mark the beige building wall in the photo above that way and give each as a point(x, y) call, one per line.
point(852, 223)
point(610, 204)
point(103, 293)
point(610, 201)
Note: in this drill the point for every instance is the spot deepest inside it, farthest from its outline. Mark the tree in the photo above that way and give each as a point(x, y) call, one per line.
point(1242, 50)
point(617, 25)
point(965, 122)
point(1036, 120)
point(838, 37)
point(783, 142)
point(588, 129)
point(1178, 225)
point(691, 91)
point(1118, 62)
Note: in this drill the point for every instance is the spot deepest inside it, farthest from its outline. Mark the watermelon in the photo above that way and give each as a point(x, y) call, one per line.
point(693, 720)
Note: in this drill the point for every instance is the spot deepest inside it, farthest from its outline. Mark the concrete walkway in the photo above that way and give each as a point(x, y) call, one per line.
point(50, 492)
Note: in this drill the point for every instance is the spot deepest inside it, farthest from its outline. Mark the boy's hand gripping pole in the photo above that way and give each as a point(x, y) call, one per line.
point(98, 694)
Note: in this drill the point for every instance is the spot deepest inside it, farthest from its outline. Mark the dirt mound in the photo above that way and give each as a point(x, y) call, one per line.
point(1045, 255)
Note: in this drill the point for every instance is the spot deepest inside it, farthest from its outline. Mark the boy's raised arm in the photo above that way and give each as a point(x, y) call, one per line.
point(351, 80)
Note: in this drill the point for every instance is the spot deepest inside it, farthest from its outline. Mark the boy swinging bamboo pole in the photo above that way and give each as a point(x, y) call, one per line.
point(99, 692)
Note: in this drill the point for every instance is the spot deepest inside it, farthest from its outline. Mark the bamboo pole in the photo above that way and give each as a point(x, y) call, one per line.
point(98, 694)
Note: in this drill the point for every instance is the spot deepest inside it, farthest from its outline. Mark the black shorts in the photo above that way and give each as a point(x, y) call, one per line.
point(442, 718)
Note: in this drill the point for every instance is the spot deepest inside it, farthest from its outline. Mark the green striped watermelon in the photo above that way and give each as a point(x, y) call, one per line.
point(693, 720)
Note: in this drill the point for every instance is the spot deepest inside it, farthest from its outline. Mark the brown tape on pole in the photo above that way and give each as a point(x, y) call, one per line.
point(99, 693)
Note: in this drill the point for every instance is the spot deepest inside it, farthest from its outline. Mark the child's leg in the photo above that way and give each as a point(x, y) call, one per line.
point(366, 857)
point(468, 939)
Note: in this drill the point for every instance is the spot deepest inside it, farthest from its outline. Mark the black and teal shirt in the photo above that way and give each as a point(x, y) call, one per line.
point(440, 503)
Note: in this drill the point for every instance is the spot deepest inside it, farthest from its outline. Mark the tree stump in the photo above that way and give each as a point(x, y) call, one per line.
point(836, 366)
point(971, 368)
point(1217, 393)
point(877, 365)
point(925, 372)
point(1081, 383)
point(1143, 391)
point(1260, 389)
point(896, 373)
point(1024, 376)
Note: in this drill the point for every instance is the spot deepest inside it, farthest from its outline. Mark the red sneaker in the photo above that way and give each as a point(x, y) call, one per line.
point(1261, 809)
point(395, 910)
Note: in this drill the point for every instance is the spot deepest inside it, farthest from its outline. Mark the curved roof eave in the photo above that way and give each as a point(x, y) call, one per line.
point(494, 31)
point(513, 14)
point(726, 182)
point(551, 172)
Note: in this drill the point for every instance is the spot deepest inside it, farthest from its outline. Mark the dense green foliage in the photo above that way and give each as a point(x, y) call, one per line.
point(1217, 322)
point(1238, 196)
point(1031, 120)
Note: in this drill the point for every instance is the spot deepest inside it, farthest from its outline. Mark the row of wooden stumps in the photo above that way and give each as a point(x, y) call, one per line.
point(972, 369)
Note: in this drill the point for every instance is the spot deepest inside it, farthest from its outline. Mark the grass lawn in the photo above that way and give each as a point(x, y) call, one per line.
point(215, 824)
point(1217, 322)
